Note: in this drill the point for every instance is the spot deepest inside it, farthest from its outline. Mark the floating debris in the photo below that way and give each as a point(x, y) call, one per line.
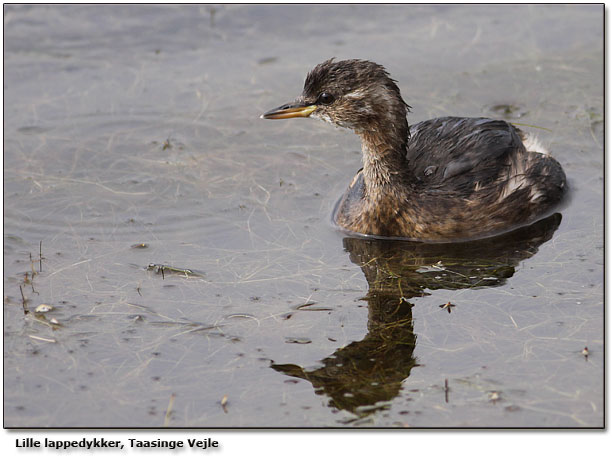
point(43, 339)
point(439, 266)
point(32, 266)
point(169, 412)
point(297, 340)
point(164, 269)
point(307, 306)
point(142, 245)
point(43, 308)
point(224, 403)
point(494, 396)
point(24, 302)
point(585, 353)
point(243, 315)
point(446, 390)
point(447, 306)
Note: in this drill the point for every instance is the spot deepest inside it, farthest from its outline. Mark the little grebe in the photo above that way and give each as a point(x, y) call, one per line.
point(445, 179)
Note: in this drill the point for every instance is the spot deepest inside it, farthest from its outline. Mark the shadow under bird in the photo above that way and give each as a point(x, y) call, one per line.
point(441, 180)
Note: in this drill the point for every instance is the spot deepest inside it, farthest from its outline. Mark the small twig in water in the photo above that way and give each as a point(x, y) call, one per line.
point(446, 390)
point(32, 266)
point(169, 410)
point(43, 339)
point(24, 302)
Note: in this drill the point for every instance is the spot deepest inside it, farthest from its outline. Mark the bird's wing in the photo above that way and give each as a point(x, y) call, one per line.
point(455, 153)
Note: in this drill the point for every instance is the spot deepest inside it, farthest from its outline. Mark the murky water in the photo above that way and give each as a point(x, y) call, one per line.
point(133, 138)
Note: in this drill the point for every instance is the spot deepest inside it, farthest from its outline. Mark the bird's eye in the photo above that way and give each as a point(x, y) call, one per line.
point(326, 98)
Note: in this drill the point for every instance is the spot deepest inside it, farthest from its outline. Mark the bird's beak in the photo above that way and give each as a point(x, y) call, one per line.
point(289, 110)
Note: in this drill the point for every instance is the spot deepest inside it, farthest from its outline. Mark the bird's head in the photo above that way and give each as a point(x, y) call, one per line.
point(355, 94)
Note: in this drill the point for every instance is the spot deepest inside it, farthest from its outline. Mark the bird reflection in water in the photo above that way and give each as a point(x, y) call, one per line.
point(363, 376)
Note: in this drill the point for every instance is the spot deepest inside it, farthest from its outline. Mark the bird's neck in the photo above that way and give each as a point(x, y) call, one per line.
point(384, 161)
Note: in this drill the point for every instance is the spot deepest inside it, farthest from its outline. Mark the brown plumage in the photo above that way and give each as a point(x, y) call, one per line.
point(445, 179)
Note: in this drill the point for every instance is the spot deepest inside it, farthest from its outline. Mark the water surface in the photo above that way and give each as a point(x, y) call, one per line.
point(132, 138)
